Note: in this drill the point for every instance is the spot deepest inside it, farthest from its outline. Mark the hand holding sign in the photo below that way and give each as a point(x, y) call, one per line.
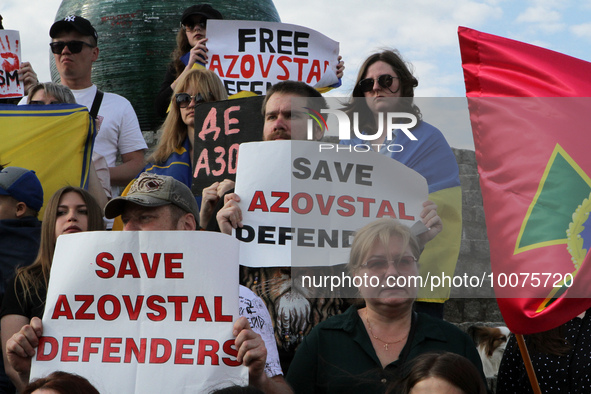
point(21, 348)
point(27, 75)
point(10, 53)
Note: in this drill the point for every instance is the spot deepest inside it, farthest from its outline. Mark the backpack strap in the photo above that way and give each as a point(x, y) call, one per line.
point(96, 104)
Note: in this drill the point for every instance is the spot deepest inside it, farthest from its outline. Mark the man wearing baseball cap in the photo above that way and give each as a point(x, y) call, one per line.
point(75, 49)
point(161, 203)
point(21, 198)
point(155, 202)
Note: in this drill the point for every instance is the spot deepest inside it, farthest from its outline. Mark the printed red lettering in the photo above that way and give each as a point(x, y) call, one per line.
point(230, 350)
point(324, 207)
point(88, 349)
point(102, 311)
point(348, 209)
point(42, 354)
point(208, 348)
point(180, 351)
point(170, 265)
point(402, 212)
point(101, 262)
point(178, 306)
point(199, 305)
point(128, 267)
point(366, 203)
point(258, 202)
point(109, 349)
point(219, 315)
point(151, 269)
point(67, 348)
point(386, 210)
point(62, 308)
point(282, 197)
point(160, 311)
point(295, 203)
point(133, 311)
point(155, 343)
point(138, 352)
point(87, 301)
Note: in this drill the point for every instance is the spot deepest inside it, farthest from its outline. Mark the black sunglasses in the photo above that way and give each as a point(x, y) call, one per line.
point(74, 46)
point(385, 81)
point(190, 25)
point(184, 99)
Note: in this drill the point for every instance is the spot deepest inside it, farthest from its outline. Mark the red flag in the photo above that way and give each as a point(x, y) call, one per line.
point(529, 109)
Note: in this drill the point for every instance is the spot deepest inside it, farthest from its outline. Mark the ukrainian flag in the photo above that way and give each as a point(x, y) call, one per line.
point(53, 140)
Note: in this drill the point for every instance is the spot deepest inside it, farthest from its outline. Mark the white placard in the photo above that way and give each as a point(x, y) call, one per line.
point(143, 312)
point(253, 55)
point(302, 204)
point(10, 60)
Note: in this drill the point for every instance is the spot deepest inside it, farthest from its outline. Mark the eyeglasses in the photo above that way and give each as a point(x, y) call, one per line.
point(384, 81)
point(74, 46)
point(184, 99)
point(191, 25)
point(379, 266)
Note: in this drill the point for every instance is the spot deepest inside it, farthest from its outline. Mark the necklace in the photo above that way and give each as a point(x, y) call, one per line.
point(379, 339)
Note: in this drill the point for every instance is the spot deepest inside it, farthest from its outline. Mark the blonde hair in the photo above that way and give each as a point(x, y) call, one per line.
point(35, 277)
point(174, 131)
point(380, 230)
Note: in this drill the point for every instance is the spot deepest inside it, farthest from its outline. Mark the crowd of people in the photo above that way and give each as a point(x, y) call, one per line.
point(380, 342)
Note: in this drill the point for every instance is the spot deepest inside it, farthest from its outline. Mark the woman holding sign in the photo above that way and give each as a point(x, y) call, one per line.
point(368, 347)
point(174, 152)
point(385, 85)
point(70, 210)
point(190, 52)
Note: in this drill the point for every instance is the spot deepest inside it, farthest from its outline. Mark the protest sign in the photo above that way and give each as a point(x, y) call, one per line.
point(220, 127)
point(54, 140)
point(10, 55)
point(253, 55)
point(302, 206)
point(125, 309)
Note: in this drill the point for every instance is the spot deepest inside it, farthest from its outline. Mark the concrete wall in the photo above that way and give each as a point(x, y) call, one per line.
point(478, 305)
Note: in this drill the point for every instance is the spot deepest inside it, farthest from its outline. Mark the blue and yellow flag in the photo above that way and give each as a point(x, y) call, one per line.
point(55, 141)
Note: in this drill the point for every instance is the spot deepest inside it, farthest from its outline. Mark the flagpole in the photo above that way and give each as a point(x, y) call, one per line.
point(528, 365)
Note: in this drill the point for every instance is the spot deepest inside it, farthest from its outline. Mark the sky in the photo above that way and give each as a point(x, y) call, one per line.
point(424, 31)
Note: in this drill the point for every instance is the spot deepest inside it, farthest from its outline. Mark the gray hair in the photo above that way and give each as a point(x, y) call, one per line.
point(62, 93)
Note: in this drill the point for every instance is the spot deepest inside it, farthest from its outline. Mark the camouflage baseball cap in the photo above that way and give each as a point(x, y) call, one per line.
point(151, 190)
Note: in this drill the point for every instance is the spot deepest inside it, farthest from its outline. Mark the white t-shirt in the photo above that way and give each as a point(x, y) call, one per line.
point(254, 309)
point(118, 130)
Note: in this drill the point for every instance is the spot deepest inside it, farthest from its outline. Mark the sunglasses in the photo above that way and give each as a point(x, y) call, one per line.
point(184, 99)
point(191, 25)
point(385, 81)
point(74, 46)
